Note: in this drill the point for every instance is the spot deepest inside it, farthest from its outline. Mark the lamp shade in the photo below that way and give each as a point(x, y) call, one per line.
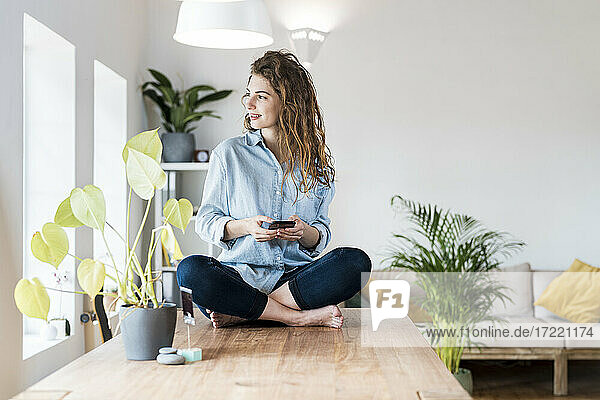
point(224, 25)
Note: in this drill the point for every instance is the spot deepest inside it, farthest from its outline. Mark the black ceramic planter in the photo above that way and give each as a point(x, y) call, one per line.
point(145, 330)
point(178, 147)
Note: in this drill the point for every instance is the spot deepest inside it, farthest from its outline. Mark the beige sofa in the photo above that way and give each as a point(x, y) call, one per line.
point(525, 286)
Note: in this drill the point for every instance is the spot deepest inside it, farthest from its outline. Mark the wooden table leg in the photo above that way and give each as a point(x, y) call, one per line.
point(560, 372)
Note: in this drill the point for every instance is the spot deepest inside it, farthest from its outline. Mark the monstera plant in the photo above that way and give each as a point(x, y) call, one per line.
point(86, 207)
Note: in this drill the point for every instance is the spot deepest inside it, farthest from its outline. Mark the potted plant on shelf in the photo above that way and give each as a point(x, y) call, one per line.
point(179, 110)
point(450, 254)
point(145, 323)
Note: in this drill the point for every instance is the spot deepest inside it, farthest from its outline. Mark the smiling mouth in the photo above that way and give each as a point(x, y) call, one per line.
point(254, 116)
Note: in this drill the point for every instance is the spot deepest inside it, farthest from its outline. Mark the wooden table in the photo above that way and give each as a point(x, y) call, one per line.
point(263, 362)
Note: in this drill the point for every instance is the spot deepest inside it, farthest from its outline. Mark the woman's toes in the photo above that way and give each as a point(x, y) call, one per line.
point(335, 312)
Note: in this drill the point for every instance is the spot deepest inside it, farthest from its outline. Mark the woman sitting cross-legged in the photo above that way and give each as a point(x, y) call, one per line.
point(280, 169)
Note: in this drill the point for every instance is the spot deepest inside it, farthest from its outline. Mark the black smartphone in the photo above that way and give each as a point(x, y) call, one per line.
point(281, 225)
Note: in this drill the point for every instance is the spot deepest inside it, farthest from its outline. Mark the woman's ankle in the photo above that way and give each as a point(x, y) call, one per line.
point(275, 311)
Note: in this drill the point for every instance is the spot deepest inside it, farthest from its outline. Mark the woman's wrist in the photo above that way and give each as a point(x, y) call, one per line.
point(310, 238)
point(235, 228)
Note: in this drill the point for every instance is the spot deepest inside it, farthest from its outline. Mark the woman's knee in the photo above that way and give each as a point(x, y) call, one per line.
point(189, 268)
point(357, 258)
point(195, 273)
point(357, 267)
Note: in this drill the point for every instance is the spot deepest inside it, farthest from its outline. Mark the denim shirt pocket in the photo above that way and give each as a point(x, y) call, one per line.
point(307, 206)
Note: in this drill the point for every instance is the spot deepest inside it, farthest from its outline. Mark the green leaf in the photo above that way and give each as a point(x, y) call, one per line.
point(160, 77)
point(168, 127)
point(177, 115)
point(198, 88)
point(176, 98)
point(91, 274)
point(32, 298)
point(159, 100)
point(64, 215)
point(51, 246)
point(147, 143)
point(213, 97)
point(89, 207)
point(169, 94)
point(191, 95)
point(144, 174)
point(178, 213)
point(198, 115)
point(168, 239)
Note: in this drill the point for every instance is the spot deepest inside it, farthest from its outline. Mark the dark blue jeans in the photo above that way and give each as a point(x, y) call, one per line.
point(331, 279)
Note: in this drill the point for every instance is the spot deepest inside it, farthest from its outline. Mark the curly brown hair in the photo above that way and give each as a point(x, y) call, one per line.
point(301, 131)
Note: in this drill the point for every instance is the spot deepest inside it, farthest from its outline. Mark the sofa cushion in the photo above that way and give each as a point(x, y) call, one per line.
point(541, 280)
point(574, 294)
point(517, 279)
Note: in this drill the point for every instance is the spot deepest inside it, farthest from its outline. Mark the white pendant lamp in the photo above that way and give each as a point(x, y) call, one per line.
point(242, 24)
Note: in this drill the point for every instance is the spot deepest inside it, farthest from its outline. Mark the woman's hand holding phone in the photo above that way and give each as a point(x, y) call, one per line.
point(260, 234)
point(253, 227)
point(294, 233)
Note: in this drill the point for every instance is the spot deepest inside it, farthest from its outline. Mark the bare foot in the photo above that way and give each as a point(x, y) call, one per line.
point(329, 316)
point(221, 320)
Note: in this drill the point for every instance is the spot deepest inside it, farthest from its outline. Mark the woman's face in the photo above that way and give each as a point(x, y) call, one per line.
point(262, 103)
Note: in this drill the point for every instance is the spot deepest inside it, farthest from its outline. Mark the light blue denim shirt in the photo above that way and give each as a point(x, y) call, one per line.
point(244, 180)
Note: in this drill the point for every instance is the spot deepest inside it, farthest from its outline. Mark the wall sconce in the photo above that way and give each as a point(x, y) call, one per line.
point(307, 43)
point(237, 24)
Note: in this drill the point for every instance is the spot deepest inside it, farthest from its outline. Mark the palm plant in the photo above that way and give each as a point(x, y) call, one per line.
point(179, 108)
point(447, 251)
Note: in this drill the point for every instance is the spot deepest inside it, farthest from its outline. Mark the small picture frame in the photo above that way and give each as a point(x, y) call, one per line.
point(188, 306)
point(201, 156)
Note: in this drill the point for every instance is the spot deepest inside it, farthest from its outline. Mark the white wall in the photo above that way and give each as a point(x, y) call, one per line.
point(489, 108)
point(113, 32)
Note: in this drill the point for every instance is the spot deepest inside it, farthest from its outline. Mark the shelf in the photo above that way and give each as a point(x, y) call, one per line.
point(185, 166)
point(175, 177)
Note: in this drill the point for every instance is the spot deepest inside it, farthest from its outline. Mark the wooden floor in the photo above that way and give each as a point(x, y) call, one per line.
point(531, 380)
point(265, 361)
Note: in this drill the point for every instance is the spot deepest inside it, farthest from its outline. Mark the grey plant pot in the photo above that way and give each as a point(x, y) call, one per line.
point(465, 378)
point(178, 147)
point(145, 330)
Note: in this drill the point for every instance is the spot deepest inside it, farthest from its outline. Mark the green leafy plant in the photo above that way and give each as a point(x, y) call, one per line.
point(179, 108)
point(86, 207)
point(447, 251)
